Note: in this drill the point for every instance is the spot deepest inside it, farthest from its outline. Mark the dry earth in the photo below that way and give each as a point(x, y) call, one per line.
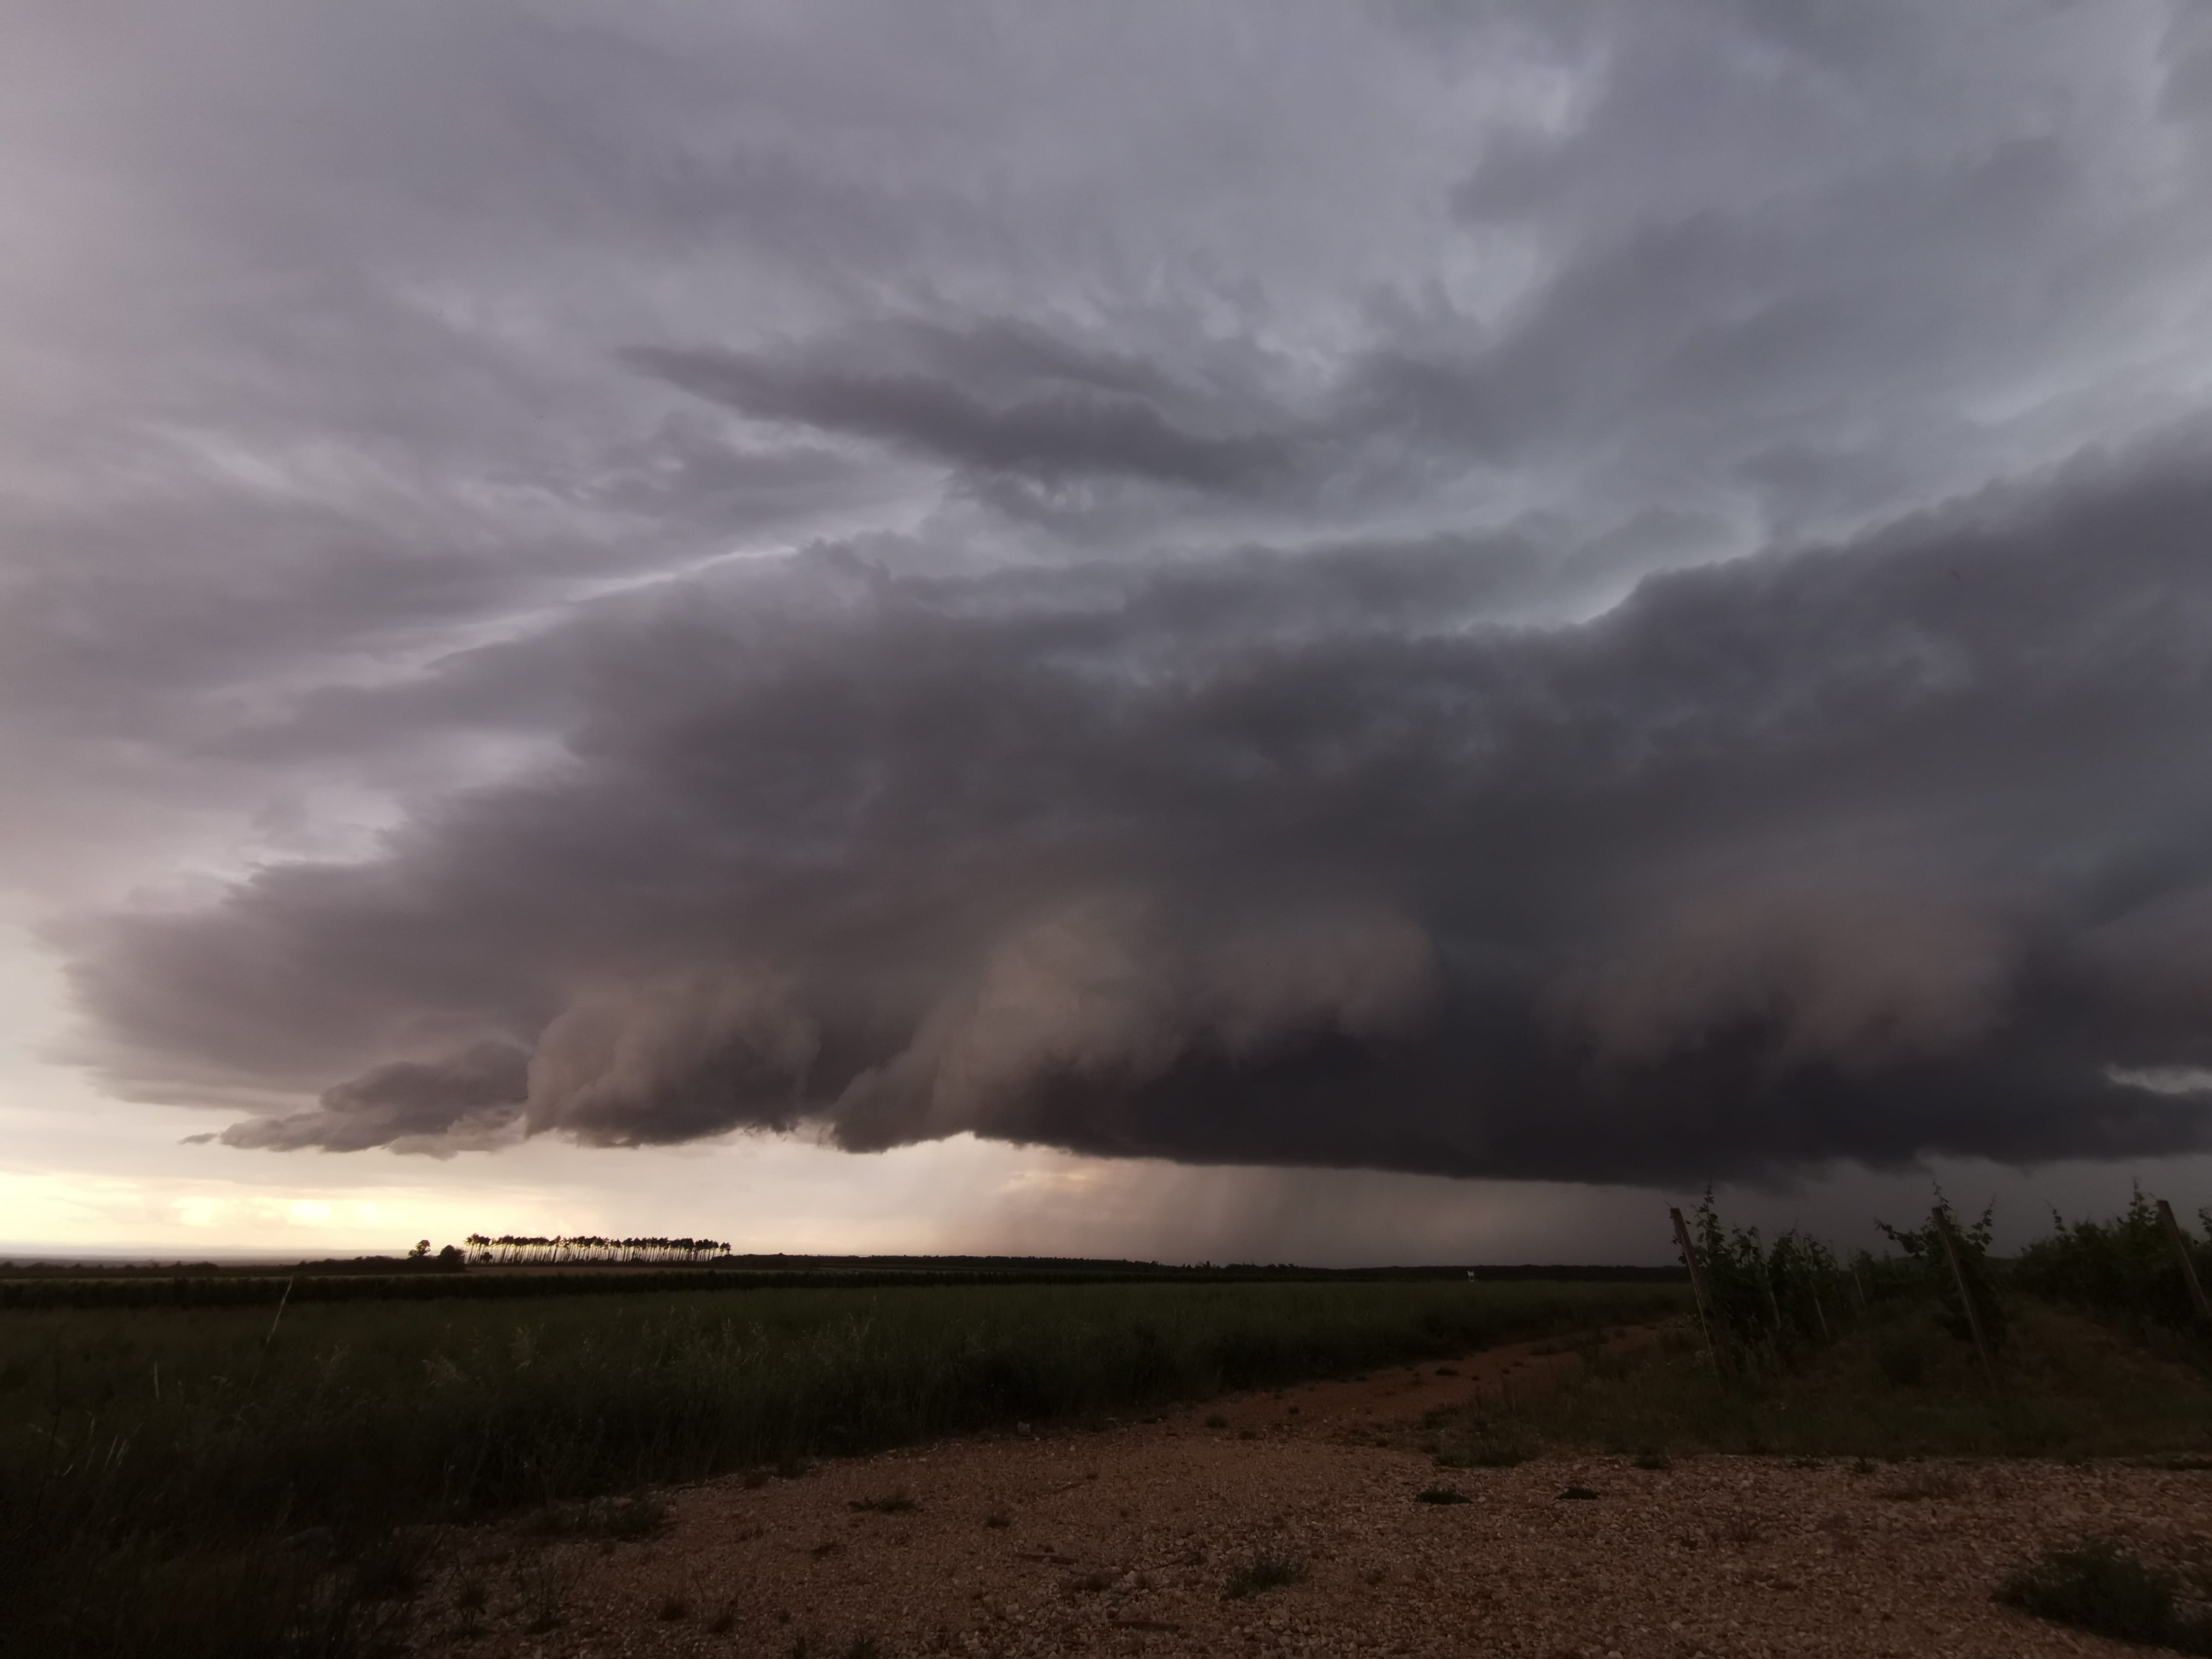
point(1121, 1543)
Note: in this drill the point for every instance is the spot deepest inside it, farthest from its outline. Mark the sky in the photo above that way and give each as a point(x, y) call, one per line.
point(1340, 632)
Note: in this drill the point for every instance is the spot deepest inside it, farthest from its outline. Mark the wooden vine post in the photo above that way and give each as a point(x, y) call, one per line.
point(1697, 1282)
point(1942, 1223)
point(2181, 1244)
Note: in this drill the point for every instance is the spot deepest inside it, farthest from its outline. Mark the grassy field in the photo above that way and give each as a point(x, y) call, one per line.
point(186, 1481)
point(233, 1481)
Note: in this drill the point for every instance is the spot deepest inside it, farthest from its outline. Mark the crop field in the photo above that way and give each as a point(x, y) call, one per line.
point(297, 1480)
point(177, 1480)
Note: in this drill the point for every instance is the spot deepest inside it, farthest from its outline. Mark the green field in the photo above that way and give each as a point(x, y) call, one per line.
point(182, 1481)
point(266, 1480)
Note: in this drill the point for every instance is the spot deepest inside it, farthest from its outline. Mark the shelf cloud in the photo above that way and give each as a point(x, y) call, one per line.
point(1616, 591)
point(1864, 851)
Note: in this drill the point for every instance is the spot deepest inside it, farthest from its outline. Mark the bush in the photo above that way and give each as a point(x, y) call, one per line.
point(1923, 1248)
point(2122, 1270)
point(2097, 1586)
point(1264, 1572)
point(1769, 1304)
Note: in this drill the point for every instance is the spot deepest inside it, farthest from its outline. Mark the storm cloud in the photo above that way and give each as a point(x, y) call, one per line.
point(1867, 851)
point(1606, 591)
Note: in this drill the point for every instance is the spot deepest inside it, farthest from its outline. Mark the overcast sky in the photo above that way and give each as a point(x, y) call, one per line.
point(1358, 632)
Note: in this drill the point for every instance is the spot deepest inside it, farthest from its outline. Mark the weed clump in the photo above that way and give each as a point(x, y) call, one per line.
point(1440, 1495)
point(1486, 1446)
point(2095, 1585)
point(539, 1581)
point(891, 1503)
point(1264, 1572)
point(629, 1519)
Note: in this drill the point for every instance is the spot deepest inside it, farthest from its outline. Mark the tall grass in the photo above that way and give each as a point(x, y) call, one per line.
point(149, 1460)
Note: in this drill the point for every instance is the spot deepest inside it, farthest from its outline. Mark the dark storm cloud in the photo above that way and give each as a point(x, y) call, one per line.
point(462, 1099)
point(1895, 848)
point(1184, 731)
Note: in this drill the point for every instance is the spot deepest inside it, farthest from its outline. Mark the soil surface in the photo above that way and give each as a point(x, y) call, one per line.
point(1125, 1542)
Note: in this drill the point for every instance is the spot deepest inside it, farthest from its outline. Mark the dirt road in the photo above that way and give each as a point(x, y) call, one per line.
point(1124, 1541)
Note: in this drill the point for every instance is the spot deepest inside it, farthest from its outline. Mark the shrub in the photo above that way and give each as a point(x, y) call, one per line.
point(1923, 1248)
point(1264, 1572)
point(2122, 1270)
point(2095, 1585)
point(891, 1503)
point(1767, 1304)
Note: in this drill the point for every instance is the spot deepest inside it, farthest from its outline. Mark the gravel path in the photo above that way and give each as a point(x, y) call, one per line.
point(1123, 1542)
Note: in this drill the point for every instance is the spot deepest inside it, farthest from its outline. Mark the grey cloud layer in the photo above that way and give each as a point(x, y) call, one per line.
point(1894, 847)
point(1183, 731)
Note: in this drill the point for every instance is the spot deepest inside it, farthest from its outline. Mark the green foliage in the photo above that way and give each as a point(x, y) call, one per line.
point(152, 1460)
point(2123, 1270)
point(1924, 1249)
point(1769, 1305)
point(2096, 1585)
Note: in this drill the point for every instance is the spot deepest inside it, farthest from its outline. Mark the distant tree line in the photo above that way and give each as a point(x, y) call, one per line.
point(510, 1249)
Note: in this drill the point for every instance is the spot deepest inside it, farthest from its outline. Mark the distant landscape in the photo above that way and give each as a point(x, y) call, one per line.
point(183, 1451)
